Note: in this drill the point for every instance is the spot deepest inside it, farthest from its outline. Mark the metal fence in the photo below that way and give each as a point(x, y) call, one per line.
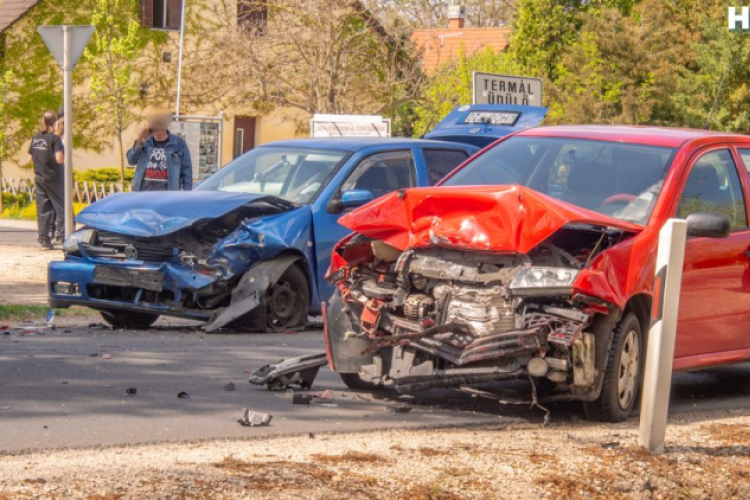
point(83, 192)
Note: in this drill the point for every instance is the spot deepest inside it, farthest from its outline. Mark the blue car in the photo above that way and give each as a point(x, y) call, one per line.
point(249, 247)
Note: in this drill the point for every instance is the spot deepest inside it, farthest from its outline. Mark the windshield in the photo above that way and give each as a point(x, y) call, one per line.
point(295, 174)
point(613, 178)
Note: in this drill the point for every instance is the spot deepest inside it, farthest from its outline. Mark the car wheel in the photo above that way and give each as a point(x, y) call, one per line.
point(288, 300)
point(128, 319)
point(354, 381)
point(622, 380)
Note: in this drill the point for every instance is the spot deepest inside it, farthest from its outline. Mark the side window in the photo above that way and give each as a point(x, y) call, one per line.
point(441, 162)
point(713, 186)
point(382, 173)
point(745, 154)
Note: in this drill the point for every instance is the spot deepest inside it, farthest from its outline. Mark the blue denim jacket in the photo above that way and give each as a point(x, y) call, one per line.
point(179, 164)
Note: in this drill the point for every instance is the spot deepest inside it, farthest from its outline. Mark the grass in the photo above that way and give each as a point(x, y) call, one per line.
point(21, 312)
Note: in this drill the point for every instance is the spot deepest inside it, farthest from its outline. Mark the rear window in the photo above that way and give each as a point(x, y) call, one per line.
point(441, 162)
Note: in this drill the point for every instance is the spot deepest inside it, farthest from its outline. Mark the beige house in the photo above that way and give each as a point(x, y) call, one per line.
point(240, 133)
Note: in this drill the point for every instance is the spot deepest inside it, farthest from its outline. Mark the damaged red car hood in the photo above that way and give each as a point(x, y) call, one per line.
point(487, 218)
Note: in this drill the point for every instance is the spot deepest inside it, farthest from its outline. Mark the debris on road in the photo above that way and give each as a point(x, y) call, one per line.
point(399, 408)
point(327, 394)
point(183, 395)
point(301, 399)
point(254, 419)
point(106, 355)
point(131, 391)
point(229, 387)
point(5, 407)
point(296, 371)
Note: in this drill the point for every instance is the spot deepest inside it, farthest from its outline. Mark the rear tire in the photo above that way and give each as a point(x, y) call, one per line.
point(622, 380)
point(354, 381)
point(128, 319)
point(287, 301)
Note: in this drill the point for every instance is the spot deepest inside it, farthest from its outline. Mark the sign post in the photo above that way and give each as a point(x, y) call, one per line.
point(66, 44)
point(490, 88)
point(662, 335)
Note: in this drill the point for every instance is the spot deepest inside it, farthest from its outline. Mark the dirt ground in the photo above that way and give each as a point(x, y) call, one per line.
point(24, 274)
point(568, 461)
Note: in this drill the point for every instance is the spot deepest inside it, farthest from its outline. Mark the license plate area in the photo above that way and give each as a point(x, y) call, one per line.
point(136, 278)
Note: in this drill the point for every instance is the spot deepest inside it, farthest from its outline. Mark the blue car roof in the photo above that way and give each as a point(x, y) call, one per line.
point(355, 143)
point(458, 127)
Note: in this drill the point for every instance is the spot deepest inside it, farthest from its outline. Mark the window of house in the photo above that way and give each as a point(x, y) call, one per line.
point(161, 14)
point(252, 15)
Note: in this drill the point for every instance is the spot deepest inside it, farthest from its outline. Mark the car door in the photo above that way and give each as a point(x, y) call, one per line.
point(715, 300)
point(378, 173)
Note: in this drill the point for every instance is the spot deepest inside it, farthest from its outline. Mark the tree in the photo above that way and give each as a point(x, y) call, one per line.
point(316, 56)
point(427, 14)
point(111, 62)
point(32, 75)
point(717, 85)
point(452, 84)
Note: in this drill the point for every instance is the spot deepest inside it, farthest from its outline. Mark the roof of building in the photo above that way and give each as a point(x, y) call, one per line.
point(654, 136)
point(13, 10)
point(440, 46)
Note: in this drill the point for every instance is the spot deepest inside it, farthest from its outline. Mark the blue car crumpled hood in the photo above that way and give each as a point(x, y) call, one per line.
point(159, 213)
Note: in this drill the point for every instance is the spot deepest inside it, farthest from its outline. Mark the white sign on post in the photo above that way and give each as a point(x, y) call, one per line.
point(503, 89)
point(66, 44)
point(349, 126)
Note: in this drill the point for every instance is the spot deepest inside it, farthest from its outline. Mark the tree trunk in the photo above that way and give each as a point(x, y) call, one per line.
point(122, 163)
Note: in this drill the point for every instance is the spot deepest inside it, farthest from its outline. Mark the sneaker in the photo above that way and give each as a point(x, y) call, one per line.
point(46, 245)
point(57, 244)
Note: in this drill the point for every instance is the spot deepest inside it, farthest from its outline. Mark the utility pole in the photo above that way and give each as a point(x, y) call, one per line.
point(179, 58)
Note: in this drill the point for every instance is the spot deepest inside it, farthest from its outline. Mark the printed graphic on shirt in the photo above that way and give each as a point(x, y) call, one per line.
point(156, 170)
point(39, 144)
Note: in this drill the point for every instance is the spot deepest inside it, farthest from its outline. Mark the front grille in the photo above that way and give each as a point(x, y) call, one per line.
point(116, 245)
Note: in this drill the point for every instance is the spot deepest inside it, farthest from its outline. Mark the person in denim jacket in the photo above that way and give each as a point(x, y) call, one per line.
point(161, 159)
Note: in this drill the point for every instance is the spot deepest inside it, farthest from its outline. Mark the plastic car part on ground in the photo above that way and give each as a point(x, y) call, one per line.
point(254, 419)
point(299, 372)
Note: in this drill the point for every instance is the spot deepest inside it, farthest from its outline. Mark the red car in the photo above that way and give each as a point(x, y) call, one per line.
point(536, 257)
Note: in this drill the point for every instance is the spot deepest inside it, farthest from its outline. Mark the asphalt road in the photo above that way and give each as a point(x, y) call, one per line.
point(58, 389)
point(18, 232)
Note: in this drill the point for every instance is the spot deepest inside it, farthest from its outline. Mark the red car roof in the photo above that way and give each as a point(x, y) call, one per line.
point(653, 136)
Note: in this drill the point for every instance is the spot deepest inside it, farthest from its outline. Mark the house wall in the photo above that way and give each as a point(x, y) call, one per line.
point(276, 125)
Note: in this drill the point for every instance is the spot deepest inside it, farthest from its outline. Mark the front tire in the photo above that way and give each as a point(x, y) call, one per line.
point(127, 319)
point(287, 301)
point(622, 379)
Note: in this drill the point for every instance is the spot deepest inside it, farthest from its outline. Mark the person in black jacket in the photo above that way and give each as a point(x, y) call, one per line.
point(46, 152)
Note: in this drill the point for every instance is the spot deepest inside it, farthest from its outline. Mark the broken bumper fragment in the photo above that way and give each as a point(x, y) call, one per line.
point(300, 372)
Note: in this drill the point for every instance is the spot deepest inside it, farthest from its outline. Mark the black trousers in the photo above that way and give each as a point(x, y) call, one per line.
point(50, 210)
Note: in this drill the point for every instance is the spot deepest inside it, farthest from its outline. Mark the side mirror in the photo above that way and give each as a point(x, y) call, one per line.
point(708, 225)
point(356, 198)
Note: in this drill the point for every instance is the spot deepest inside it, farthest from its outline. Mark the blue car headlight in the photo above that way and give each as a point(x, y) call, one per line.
point(83, 236)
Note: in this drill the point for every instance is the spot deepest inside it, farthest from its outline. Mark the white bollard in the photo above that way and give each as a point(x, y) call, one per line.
point(661, 339)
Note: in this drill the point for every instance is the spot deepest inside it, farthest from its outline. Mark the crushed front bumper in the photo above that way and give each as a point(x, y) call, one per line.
point(134, 285)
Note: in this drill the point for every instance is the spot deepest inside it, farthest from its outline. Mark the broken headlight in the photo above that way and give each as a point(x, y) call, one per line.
point(543, 281)
point(83, 236)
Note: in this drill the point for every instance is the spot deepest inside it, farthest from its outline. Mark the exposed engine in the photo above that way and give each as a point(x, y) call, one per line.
point(442, 317)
